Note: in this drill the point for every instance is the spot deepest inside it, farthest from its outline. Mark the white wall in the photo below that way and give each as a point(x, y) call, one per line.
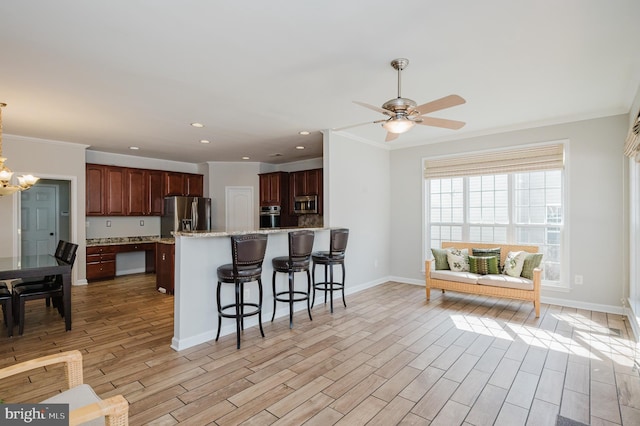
point(52, 160)
point(595, 237)
point(222, 175)
point(356, 188)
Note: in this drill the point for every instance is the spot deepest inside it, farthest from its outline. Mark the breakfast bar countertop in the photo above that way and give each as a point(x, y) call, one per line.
point(206, 234)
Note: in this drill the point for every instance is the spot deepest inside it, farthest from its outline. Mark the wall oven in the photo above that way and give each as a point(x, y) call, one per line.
point(305, 204)
point(270, 217)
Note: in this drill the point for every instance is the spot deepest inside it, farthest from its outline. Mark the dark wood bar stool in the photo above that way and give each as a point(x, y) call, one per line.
point(299, 259)
point(329, 259)
point(6, 302)
point(248, 254)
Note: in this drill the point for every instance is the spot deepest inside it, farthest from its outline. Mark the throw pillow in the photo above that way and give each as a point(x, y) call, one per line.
point(484, 252)
point(458, 259)
point(440, 256)
point(483, 265)
point(531, 262)
point(513, 263)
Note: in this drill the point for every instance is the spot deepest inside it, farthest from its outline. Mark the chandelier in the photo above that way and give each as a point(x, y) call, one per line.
point(24, 182)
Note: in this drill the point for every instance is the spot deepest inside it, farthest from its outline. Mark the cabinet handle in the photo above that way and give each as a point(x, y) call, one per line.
point(163, 257)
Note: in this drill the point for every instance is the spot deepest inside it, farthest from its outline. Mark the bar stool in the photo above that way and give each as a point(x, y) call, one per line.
point(331, 258)
point(300, 246)
point(6, 302)
point(248, 253)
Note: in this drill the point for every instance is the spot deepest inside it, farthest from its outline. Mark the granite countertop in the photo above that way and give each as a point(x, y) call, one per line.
point(128, 240)
point(207, 234)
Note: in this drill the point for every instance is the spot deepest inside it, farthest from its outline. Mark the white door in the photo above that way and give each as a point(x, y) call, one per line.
point(239, 211)
point(38, 226)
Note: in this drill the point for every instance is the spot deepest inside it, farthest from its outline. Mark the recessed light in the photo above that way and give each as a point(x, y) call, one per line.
point(197, 125)
point(303, 133)
point(299, 147)
point(135, 148)
point(245, 158)
point(204, 141)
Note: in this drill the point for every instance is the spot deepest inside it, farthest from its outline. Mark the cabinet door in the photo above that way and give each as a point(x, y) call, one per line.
point(173, 183)
point(313, 181)
point(95, 202)
point(115, 190)
point(138, 192)
point(194, 185)
point(165, 267)
point(264, 190)
point(156, 193)
point(274, 189)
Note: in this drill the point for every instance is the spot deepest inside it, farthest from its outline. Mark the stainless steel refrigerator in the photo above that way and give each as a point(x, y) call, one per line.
point(185, 214)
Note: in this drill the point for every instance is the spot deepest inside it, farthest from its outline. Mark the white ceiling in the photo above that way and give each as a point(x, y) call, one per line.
point(112, 74)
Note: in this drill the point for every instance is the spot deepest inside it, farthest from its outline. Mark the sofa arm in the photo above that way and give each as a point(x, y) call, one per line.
point(115, 411)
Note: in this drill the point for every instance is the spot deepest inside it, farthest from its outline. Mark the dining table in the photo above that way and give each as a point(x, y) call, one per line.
point(34, 266)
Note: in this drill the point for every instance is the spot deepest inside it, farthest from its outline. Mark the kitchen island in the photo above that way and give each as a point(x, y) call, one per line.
point(197, 257)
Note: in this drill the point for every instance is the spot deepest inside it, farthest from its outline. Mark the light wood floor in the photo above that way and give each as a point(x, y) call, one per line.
point(389, 358)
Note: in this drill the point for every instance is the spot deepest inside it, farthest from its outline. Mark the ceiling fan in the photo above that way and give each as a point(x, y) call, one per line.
point(404, 113)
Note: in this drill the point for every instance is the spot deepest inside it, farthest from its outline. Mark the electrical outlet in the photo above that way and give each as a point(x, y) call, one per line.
point(578, 280)
point(142, 223)
point(108, 224)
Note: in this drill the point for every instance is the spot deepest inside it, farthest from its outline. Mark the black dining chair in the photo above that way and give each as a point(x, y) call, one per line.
point(6, 302)
point(247, 252)
point(62, 247)
point(49, 287)
point(298, 260)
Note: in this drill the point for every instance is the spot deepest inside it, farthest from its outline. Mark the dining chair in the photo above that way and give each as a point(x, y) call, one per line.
point(85, 406)
point(47, 288)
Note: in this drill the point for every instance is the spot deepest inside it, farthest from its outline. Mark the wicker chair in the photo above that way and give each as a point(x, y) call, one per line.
point(85, 407)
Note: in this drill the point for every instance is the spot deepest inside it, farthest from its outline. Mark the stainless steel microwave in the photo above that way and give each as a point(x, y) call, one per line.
point(305, 204)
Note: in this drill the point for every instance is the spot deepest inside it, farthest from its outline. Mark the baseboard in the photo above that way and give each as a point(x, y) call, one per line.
point(633, 320)
point(610, 309)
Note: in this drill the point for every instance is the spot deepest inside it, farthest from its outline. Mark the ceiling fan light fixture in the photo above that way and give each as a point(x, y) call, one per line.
point(398, 125)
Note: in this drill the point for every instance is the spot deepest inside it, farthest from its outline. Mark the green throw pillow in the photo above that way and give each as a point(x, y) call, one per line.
point(440, 256)
point(483, 265)
point(484, 252)
point(531, 262)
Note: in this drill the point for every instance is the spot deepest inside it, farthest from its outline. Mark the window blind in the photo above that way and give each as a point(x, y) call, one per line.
point(632, 144)
point(543, 157)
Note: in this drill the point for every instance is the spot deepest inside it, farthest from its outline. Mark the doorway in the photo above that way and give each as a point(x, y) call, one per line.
point(44, 216)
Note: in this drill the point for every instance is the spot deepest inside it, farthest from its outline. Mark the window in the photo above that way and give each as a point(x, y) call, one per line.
point(517, 207)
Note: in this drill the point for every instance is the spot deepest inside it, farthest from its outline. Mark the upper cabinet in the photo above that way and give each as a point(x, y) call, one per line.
point(126, 191)
point(305, 182)
point(186, 184)
point(274, 189)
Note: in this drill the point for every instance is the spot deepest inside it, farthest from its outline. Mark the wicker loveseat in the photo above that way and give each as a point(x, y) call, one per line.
point(489, 285)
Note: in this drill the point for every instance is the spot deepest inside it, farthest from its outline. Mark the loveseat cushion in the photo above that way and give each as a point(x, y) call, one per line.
point(462, 277)
point(77, 397)
point(506, 281)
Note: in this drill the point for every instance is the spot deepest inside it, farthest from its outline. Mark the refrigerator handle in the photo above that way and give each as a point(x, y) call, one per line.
point(194, 214)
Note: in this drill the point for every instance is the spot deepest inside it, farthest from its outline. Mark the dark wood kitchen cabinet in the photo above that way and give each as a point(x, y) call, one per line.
point(184, 184)
point(101, 262)
point(305, 182)
point(95, 199)
point(165, 267)
point(128, 191)
point(144, 189)
point(274, 189)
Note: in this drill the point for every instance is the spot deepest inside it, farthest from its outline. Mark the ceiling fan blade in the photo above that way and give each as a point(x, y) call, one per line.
point(441, 122)
point(373, 107)
point(391, 136)
point(438, 104)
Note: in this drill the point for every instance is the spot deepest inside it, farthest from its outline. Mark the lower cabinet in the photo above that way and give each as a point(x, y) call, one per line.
point(101, 262)
point(165, 267)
